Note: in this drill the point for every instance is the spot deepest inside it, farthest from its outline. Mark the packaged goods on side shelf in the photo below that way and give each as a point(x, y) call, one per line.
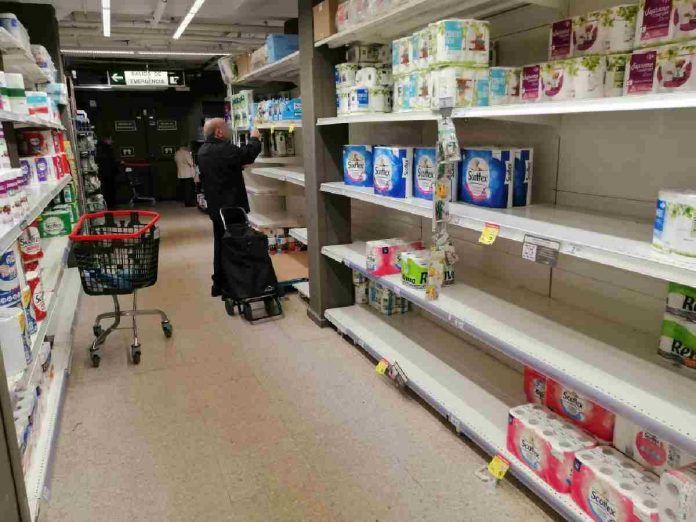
point(673, 229)
point(280, 241)
point(378, 297)
point(383, 255)
point(58, 92)
point(44, 61)
point(61, 215)
point(277, 47)
point(12, 25)
point(678, 494)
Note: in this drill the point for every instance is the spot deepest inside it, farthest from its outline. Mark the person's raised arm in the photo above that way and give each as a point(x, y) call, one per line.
point(252, 149)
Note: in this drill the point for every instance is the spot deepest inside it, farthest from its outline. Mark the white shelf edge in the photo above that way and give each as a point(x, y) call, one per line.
point(616, 250)
point(280, 125)
point(38, 199)
point(555, 350)
point(300, 234)
point(466, 418)
point(275, 220)
point(284, 160)
point(281, 174)
point(280, 70)
point(302, 288)
point(262, 191)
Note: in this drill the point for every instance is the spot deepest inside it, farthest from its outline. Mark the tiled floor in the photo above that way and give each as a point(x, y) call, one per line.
point(227, 421)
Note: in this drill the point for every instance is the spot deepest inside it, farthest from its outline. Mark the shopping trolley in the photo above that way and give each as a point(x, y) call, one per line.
point(117, 254)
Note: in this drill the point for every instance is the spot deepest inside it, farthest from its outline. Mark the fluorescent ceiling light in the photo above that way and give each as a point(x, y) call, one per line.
point(106, 17)
point(187, 19)
point(140, 53)
point(94, 51)
point(177, 53)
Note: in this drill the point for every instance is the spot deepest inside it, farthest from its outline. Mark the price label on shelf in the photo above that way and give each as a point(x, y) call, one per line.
point(291, 129)
point(540, 250)
point(382, 366)
point(489, 234)
point(498, 467)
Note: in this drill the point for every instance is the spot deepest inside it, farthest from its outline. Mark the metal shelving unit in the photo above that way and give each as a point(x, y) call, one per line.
point(294, 175)
point(284, 70)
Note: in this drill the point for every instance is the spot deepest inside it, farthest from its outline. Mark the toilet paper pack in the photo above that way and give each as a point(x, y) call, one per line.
point(653, 25)
point(424, 172)
point(616, 74)
point(582, 411)
point(383, 255)
point(678, 340)
point(366, 77)
point(345, 74)
point(10, 294)
point(392, 171)
point(610, 487)
point(522, 177)
point(588, 76)
point(673, 230)
point(677, 498)
point(357, 165)
point(504, 85)
point(561, 39)
point(401, 56)
point(530, 84)
point(674, 68)
point(640, 73)
point(545, 443)
point(681, 300)
point(588, 34)
point(683, 20)
point(414, 268)
point(486, 177)
point(619, 27)
point(647, 448)
point(534, 386)
point(557, 80)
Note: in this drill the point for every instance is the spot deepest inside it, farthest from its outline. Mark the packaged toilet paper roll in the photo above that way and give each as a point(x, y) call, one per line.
point(608, 486)
point(357, 165)
point(616, 74)
point(14, 340)
point(449, 46)
point(32, 325)
point(588, 74)
point(345, 74)
point(383, 255)
point(401, 56)
point(640, 73)
point(366, 77)
point(674, 231)
point(392, 171)
point(359, 101)
point(422, 47)
point(534, 386)
point(414, 268)
point(561, 39)
point(647, 448)
point(557, 80)
point(380, 99)
point(580, 410)
point(384, 75)
point(424, 172)
point(504, 85)
point(343, 100)
point(16, 93)
point(38, 298)
point(530, 85)
point(588, 34)
point(522, 177)
point(677, 498)
point(457, 87)
point(477, 43)
point(681, 300)
point(420, 93)
point(683, 25)
point(45, 169)
point(10, 294)
point(678, 340)
point(485, 177)
point(653, 24)
point(674, 68)
point(35, 143)
point(619, 27)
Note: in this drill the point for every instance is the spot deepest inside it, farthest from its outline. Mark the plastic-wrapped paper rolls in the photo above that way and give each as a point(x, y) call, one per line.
point(640, 72)
point(14, 342)
point(384, 75)
point(16, 93)
point(343, 100)
point(29, 314)
point(370, 99)
point(401, 56)
point(455, 86)
point(346, 74)
point(523, 171)
point(588, 75)
point(359, 100)
point(38, 300)
point(683, 20)
point(557, 80)
point(357, 165)
point(392, 171)
point(530, 83)
point(504, 85)
point(534, 386)
point(486, 177)
point(414, 268)
point(588, 34)
point(653, 23)
point(675, 68)
point(422, 48)
point(424, 172)
point(674, 229)
point(29, 243)
point(10, 294)
point(616, 74)
point(561, 39)
point(619, 27)
point(420, 90)
point(678, 495)
point(678, 340)
point(4, 98)
point(460, 42)
point(681, 300)
point(404, 92)
point(366, 77)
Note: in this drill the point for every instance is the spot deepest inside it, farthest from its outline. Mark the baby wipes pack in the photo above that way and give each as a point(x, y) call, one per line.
point(357, 165)
point(392, 171)
point(534, 386)
point(546, 443)
point(522, 177)
point(678, 340)
point(681, 300)
point(677, 498)
point(674, 230)
point(485, 177)
point(582, 411)
point(647, 448)
point(608, 486)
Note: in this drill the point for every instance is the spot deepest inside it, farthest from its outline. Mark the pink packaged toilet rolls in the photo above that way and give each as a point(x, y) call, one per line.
point(610, 487)
point(534, 386)
point(383, 255)
point(678, 495)
point(582, 411)
point(546, 443)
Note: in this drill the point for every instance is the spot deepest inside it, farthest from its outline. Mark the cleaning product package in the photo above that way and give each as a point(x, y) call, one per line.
point(383, 256)
point(522, 177)
point(392, 171)
point(545, 443)
point(616, 74)
point(608, 486)
point(673, 230)
point(582, 411)
point(640, 73)
point(534, 386)
point(486, 177)
point(681, 300)
point(357, 165)
point(678, 340)
point(561, 39)
point(677, 498)
point(647, 448)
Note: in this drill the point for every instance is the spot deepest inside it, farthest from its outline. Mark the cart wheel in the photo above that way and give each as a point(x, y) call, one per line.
point(248, 313)
point(229, 307)
point(135, 354)
point(271, 305)
point(96, 359)
point(167, 328)
point(98, 330)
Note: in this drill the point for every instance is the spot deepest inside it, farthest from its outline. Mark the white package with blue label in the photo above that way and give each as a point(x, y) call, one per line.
point(485, 177)
point(392, 171)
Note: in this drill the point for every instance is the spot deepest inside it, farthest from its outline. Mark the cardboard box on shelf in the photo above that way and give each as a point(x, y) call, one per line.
point(325, 19)
point(243, 63)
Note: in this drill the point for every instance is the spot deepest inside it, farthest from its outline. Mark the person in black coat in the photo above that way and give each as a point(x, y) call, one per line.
point(220, 163)
point(108, 170)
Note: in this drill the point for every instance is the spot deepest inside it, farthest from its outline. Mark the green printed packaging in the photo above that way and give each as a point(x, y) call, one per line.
point(55, 223)
point(678, 340)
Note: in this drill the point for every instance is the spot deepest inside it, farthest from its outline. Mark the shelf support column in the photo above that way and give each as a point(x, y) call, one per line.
point(328, 216)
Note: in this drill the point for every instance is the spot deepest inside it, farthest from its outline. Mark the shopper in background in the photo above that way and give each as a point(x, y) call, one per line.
point(108, 170)
point(185, 171)
point(220, 163)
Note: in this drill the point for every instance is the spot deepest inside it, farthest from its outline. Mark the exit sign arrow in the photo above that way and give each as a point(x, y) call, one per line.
point(118, 78)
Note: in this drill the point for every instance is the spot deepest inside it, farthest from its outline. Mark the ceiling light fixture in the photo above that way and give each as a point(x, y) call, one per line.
point(177, 53)
point(95, 51)
point(187, 19)
point(106, 17)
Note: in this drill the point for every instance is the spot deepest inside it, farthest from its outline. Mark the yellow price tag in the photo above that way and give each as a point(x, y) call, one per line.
point(291, 129)
point(489, 234)
point(381, 367)
point(498, 467)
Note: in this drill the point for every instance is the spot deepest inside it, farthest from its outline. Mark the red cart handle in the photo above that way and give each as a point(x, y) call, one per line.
point(75, 235)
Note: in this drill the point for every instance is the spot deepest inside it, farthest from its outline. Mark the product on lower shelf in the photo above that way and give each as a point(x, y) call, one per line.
point(386, 301)
point(674, 221)
point(678, 340)
point(546, 443)
point(647, 448)
point(392, 171)
point(414, 269)
point(534, 386)
point(609, 486)
point(678, 495)
point(14, 340)
point(383, 255)
point(681, 300)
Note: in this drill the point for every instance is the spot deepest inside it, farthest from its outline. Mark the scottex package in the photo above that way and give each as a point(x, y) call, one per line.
point(485, 177)
point(357, 165)
point(392, 171)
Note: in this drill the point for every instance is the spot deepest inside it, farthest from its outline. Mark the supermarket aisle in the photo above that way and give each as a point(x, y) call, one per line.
point(226, 421)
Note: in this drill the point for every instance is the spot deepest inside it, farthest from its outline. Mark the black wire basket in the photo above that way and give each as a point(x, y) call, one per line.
point(116, 252)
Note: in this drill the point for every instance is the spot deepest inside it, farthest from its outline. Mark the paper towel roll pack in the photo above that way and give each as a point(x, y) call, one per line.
point(674, 69)
point(678, 340)
point(582, 411)
point(545, 443)
point(383, 255)
point(534, 386)
point(385, 301)
point(647, 448)
point(681, 300)
point(393, 171)
point(485, 177)
point(678, 495)
point(610, 487)
point(530, 83)
point(561, 39)
point(673, 231)
point(588, 34)
point(357, 165)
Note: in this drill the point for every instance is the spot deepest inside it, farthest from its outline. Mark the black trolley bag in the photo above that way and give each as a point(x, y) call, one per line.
point(249, 280)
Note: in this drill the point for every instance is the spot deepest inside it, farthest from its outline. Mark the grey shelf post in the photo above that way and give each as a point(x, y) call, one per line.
point(328, 215)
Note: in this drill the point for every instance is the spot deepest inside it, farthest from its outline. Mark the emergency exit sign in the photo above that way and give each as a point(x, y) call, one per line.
point(146, 78)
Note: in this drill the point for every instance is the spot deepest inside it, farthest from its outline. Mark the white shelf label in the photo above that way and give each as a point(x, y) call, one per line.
point(540, 250)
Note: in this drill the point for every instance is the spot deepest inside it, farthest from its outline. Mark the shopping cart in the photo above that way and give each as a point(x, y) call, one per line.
point(117, 254)
point(140, 176)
